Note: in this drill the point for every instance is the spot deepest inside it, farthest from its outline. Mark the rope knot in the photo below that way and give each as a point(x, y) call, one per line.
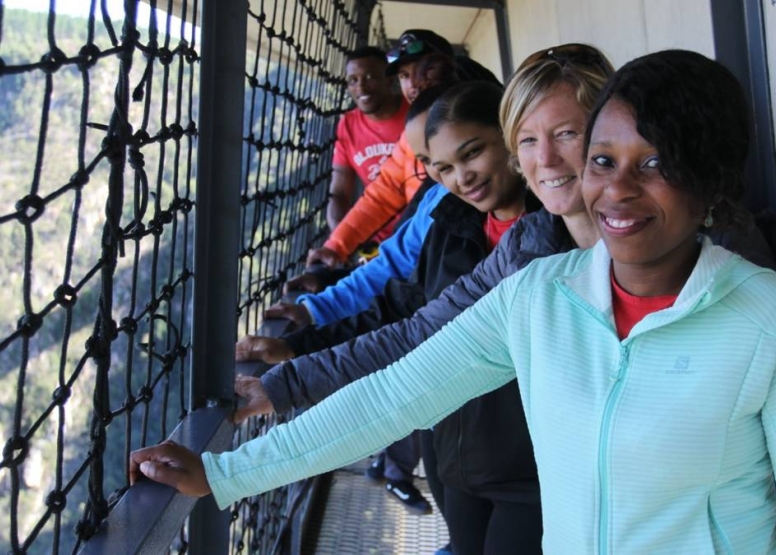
point(183, 204)
point(136, 231)
point(56, 501)
point(52, 61)
point(167, 292)
point(79, 178)
point(140, 138)
point(190, 54)
point(145, 394)
point(113, 146)
point(88, 55)
point(29, 324)
point(15, 451)
point(30, 208)
point(61, 395)
point(175, 131)
point(165, 56)
point(136, 159)
point(129, 325)
point(65, 295)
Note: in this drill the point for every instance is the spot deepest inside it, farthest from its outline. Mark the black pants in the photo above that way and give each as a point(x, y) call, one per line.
point(402, 457)
point(483, 525)
point(430, 464)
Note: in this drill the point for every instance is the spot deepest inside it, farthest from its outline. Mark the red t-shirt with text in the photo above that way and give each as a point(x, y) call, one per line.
point(363, 144)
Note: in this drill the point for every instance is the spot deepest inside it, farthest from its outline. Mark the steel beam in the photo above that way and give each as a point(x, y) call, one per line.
point(217, 233)
point(504, 44)
point(739, 44)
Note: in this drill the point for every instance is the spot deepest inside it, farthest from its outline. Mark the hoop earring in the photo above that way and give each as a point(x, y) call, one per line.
point(709, 221)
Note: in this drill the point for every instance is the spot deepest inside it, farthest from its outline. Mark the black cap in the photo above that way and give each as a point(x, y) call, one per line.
point(412, 45)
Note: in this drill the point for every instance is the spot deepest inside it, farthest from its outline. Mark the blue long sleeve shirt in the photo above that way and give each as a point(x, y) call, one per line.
point(398, 257)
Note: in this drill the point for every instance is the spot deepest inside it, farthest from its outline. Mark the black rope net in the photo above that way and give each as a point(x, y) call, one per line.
point(295, 84)
point(295, 95)
point(97, 130)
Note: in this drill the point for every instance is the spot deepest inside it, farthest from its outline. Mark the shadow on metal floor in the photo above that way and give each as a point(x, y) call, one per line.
point(356, 516)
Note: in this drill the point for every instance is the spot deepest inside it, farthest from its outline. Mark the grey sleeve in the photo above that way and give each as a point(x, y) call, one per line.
point(306, 380)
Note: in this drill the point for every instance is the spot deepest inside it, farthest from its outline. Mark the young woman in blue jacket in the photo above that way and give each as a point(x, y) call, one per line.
point(646, 364)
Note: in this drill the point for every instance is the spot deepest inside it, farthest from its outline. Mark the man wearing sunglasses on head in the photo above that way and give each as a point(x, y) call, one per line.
point(398, 181)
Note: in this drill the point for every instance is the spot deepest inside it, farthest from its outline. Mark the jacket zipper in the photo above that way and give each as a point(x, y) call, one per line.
point(603, 451)
point(460, 450)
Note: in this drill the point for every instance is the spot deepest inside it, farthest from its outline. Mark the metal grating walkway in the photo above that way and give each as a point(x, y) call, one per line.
point(358, 517)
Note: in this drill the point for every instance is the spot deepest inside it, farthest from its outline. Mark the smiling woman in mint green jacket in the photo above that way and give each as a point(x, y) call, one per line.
point(646, 364)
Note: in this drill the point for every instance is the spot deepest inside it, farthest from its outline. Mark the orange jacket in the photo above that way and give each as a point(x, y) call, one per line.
point(385, 197)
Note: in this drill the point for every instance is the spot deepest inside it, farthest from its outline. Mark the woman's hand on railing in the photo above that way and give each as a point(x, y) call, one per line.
point(268, 349)
point(253, 391)
point(297, 313)
point(324, 256)
point(171, 464)
point(303, 282)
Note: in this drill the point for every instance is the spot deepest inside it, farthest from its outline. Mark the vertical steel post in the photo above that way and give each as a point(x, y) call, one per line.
point(217, 233)
point(363, 19)
point(504, 44)
point(739, 44)
point(762, 101)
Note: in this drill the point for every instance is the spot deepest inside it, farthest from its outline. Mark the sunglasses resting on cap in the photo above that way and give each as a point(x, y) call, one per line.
point(413, 45)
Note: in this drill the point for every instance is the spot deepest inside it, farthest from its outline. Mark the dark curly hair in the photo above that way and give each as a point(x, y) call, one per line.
point(367, 52)
point(694, 112)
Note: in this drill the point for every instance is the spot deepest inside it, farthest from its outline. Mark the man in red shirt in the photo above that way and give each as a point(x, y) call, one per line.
point(397, 182)
point(367, 133)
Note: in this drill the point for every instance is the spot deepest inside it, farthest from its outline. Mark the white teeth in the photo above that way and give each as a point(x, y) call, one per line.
point(553, 183)
point(619, 224)
point(364, 97)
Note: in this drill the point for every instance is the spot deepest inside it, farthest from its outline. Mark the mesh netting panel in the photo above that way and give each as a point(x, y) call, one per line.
point(97, 131)
point(295, 95)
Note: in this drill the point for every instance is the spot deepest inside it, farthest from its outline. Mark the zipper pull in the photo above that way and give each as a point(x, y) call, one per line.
point(618, 373)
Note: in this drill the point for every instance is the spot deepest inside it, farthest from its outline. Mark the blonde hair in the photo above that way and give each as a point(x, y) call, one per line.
point(583, 67)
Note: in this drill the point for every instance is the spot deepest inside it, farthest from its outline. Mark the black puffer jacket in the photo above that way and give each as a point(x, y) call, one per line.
point(485, 444)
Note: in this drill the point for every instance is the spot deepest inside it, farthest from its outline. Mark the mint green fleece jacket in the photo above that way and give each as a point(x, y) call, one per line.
point(657, 444)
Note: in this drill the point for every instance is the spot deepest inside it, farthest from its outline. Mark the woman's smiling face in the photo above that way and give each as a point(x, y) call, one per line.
point(550, 141)
point(645, 221)
point(473, 163)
